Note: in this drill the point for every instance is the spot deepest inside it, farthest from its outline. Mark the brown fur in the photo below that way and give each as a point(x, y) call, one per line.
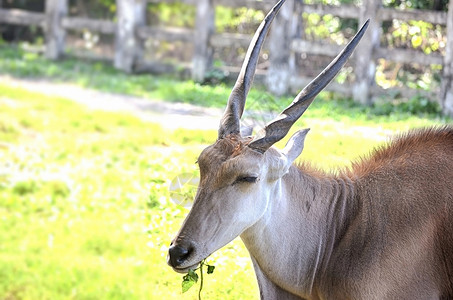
point(422, 141)
point(415, 143)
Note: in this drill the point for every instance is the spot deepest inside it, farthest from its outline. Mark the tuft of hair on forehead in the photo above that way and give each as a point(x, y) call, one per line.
point(232, 145)
point(223, 149)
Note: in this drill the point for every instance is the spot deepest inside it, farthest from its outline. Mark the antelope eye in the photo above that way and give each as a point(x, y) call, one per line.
point(249, 179)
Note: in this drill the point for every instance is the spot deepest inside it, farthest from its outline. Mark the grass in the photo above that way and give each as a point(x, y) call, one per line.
point(84, 202)
point(15, 61)
point(84, 205)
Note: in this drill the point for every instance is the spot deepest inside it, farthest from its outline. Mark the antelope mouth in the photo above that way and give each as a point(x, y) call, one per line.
point(184, 270)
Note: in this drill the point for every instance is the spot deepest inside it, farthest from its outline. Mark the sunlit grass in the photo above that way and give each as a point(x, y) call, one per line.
point(84, 202)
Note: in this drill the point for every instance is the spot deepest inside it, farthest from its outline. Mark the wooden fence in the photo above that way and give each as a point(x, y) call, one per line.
point(284, 41)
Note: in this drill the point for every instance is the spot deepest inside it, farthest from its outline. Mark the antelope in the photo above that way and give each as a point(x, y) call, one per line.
point(380, 229)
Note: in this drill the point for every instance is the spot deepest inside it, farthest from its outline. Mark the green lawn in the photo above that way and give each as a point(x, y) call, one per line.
point(84, 203)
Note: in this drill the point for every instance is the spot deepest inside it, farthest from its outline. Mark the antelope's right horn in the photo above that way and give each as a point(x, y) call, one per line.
point(279, 127)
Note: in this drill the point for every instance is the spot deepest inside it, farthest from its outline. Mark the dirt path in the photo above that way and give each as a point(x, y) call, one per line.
point(169, 115)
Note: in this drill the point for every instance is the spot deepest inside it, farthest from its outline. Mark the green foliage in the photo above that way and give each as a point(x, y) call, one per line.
point(415, 34)
point(215, 76)
point(237, 20)
point(210, 269)
point(323, 27)
point(416, 106)
point(172, 14)
point(332, 2)
point(189, 280)
point(191, 277)
point(418, 4)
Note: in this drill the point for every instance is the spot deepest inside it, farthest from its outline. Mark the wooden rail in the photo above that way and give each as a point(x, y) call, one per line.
point(21, 17)
point(101, 26)
point(284, 41)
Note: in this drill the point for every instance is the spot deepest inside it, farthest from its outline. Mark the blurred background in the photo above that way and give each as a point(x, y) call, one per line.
point(104, 104)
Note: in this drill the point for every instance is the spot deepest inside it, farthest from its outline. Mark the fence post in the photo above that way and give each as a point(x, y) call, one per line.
point(128, 48)
point(55, 33)
point(365, 66)
point(446, 92)
point(204, 28)
point(280, 37)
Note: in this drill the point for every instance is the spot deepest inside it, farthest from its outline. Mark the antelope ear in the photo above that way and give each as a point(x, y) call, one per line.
point(295, 145)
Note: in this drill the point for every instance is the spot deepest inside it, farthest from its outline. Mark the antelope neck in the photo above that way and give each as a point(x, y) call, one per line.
point(319, 211)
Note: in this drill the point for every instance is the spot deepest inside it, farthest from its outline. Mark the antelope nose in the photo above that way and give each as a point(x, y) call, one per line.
point(178, 254)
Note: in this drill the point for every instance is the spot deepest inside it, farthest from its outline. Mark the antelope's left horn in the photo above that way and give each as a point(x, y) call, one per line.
point(230, 122)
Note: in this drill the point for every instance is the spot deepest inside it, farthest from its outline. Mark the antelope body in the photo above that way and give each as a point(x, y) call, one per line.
point(382, 229)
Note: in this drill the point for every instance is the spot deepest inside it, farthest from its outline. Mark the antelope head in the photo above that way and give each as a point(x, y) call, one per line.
point(239, 175)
